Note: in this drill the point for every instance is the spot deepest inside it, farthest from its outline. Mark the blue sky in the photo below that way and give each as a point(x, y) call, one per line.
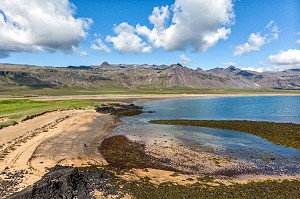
point(270, 48)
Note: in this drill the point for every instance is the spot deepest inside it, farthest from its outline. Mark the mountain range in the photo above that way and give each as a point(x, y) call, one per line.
point(144, 77)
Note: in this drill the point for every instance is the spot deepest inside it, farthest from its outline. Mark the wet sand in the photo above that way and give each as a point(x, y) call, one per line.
point(192, 165)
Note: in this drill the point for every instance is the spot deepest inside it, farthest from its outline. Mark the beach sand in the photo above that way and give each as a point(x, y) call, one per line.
point(66, 138)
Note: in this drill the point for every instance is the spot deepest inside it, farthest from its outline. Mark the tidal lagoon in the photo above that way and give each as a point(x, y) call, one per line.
point(255, 155)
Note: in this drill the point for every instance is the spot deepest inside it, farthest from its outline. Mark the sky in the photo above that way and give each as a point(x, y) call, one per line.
point(258, 35)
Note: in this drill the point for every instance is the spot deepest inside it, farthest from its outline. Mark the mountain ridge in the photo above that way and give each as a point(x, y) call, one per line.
point(144, 77)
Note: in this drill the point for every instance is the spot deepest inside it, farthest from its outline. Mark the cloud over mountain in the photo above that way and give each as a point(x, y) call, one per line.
point(35, 26)
point(188, 24)
point(257, 40)
point(285, 59)
point(184, 59)
point(127, 41)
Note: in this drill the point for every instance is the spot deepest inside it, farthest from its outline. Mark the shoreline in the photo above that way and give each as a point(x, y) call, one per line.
point(130, 98)
point(181, 162)
point(38, 156)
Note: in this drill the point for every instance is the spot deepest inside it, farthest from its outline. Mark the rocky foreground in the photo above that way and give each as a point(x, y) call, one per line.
point(68, 138)
point(69, 182)
point(129, 174)
point(92, 182)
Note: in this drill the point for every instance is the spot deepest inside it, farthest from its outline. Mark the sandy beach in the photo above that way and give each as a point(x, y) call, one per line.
point(71, 138)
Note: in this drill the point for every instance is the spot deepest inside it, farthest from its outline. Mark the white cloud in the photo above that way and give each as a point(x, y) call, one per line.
point(256, 40)
point(99, 45)
point(254, 43)
point(83, 53)
point(285, 59)
point(259, 70)
point(229, 64)
point(211, 39)
point(127, 41)
point(79, 51)
point(34, 26)
point(159, 16)
point(184, 59)
point(194, 24)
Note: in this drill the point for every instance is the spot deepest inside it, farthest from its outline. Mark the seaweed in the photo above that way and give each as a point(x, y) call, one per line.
point(286, 134)
point(120, 152)
point(266, 189)
point(120, 110)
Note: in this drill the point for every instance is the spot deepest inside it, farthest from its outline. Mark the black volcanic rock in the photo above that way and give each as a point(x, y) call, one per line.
point(60, 182)
point(120, 110)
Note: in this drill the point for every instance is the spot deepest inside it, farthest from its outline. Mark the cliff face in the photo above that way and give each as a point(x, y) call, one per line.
point(144, 77)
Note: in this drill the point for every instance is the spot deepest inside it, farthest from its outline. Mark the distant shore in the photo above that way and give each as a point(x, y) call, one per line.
point(139, 97)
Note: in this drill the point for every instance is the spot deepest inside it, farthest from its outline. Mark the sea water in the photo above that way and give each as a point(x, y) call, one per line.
point(222, 142)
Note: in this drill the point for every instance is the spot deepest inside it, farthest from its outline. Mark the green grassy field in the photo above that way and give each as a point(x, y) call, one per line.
point(14, 110)
point(286, 134)
point(23, 91)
